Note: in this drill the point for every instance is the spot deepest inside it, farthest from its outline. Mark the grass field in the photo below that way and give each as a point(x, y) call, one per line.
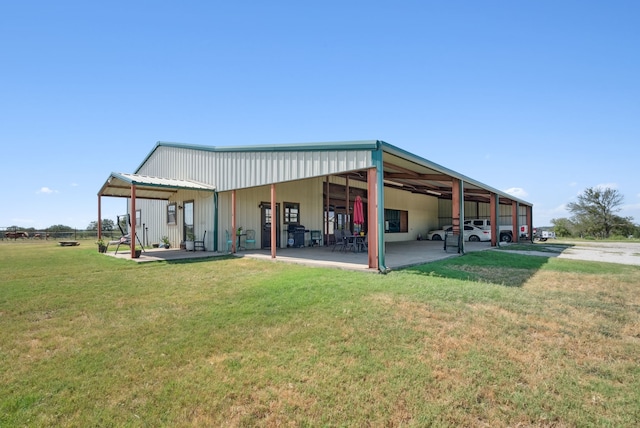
point(487, 339)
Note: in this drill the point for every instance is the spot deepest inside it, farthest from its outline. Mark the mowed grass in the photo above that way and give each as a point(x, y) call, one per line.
point(487, 339)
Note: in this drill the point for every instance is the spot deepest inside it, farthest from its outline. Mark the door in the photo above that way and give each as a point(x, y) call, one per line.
point(187, 220)
point(266, 214)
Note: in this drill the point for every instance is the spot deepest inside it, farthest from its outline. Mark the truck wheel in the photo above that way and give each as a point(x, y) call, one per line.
point(505, 237)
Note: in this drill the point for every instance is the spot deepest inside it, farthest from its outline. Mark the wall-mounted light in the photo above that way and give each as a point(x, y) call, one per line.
point(393, 183)
point(433, 192)
point(179, 207)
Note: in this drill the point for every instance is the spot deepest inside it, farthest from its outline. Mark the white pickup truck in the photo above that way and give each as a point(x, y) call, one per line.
point(504, 232)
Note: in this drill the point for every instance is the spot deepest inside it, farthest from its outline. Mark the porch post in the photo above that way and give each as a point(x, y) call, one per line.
point(99, 216)
point(133, 221)
point(372, 220)
point(378, 202)
point(233, 221)
point(274, 219)
point(457, 214)
point(529, 209)
point(494, 218)
point(515, 227)
point(326, 214)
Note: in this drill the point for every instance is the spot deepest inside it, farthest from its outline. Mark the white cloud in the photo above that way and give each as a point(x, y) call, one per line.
point(46, 190)
point(74, 184)
point(518, 192)
point(573, 184)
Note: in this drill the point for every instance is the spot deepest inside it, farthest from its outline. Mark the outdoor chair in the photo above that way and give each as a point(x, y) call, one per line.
point(125, 239)
point(316, 238)
point(250, 239)
point(229, 241)
point(349, 241)
point(338, 240)
point(200, 244)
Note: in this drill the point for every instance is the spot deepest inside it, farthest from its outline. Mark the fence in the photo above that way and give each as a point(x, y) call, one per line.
point(15, 233)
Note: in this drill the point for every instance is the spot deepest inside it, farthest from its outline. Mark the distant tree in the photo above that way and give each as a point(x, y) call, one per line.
point(594, 212)
point(563, 227)
point(60, 228)
point(107, 225)
point(623, 226)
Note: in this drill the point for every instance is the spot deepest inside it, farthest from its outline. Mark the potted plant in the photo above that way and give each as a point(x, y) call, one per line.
point(165, 242)
point(102, 245)
point(137, 253)
point(189, 243)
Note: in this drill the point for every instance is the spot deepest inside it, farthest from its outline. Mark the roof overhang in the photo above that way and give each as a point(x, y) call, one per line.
point(119, 185)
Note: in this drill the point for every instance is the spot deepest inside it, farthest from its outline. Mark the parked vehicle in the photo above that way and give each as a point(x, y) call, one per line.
point(543, 235)
point(471, 233)
point(505, 233)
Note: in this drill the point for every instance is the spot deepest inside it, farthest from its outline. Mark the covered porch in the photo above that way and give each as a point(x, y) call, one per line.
point(398, 255)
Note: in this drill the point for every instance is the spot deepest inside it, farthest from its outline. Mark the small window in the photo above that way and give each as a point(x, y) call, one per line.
point(171, 214)
point(291, 213)
point(396, 221)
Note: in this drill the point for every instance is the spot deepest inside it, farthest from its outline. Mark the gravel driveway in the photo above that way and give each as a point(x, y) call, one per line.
point(627, 253)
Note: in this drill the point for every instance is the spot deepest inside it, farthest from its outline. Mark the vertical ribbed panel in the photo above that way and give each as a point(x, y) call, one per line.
point(239, 170)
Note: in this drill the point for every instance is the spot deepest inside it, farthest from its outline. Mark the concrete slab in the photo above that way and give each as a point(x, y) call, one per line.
point(398, 255)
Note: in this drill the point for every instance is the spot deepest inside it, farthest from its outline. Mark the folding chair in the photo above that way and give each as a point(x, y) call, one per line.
point(125, 239)
point(339, 240)
point(200, 244)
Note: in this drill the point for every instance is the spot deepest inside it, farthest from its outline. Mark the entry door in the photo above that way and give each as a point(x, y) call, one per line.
point(187, 222)
point(266, 215)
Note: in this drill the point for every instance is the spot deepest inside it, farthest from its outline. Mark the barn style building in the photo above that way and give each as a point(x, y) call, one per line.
point(292, 195)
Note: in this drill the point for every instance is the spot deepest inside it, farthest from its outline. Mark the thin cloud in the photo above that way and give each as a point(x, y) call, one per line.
point(518, 192)
point(573, 184)
point(46, 190)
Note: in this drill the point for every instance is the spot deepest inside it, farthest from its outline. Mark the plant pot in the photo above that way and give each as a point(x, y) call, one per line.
point(137, 254)
point(166, 246)
point(190, 245)
point(155, 245)
point(102, 248)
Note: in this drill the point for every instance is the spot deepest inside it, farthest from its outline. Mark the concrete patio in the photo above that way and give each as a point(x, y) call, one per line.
point(398, 255)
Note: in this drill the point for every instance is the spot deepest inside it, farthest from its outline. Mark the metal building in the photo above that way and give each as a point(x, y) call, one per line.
point(212, 192)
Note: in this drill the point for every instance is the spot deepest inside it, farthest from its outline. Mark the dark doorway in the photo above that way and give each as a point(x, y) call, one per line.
point(266, 216)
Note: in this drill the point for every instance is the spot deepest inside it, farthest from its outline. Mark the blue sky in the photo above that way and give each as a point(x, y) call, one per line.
point(537, 98)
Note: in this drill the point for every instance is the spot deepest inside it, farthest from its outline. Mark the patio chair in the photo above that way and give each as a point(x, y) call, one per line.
point(125, 239)
point(200, 244)
point(316, 238)
point(229, 241)
point(338, 240)
point(250, 239)
point(349, 241)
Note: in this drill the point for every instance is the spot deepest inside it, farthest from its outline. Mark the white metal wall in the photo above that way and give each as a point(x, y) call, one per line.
point(238, 170)
point(308, 193)
point(422, 212)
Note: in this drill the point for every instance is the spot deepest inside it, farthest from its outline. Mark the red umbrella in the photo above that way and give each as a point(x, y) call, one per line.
point(358, 212)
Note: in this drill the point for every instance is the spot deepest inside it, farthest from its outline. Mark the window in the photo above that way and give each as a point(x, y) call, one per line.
point(172, 217)
point(291, 213)
point(396, 221)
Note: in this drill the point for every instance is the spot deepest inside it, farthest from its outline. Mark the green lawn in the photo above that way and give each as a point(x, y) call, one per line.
point(487, 339)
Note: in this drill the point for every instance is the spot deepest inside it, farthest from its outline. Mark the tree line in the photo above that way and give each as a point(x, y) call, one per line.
point(594, 216)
